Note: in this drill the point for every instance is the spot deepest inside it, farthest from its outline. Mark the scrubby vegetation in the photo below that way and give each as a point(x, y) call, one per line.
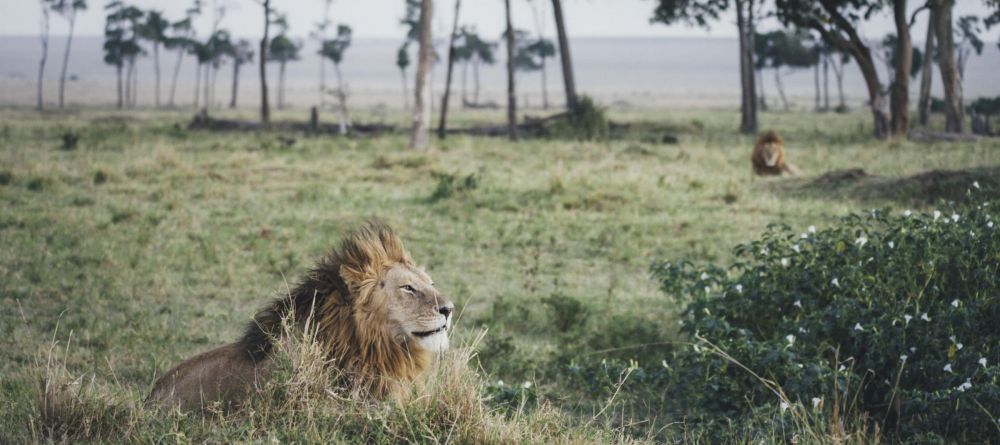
point(148, 243)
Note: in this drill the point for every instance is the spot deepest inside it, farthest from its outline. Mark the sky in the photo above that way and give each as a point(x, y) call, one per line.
point(380, 18)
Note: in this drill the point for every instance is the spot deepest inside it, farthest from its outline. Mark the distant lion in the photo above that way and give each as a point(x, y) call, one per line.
point(378, 316)
point(769, 156)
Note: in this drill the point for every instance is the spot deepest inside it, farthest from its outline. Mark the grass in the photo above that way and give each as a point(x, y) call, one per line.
point(146, 243)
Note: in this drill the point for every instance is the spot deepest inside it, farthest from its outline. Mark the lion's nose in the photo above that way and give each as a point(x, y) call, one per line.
point(446, 310)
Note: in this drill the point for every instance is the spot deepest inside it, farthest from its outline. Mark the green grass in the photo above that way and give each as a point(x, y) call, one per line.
point(147, 243)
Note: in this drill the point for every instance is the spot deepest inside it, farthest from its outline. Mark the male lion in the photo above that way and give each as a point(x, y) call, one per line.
point(769, 156)
point(378, 316)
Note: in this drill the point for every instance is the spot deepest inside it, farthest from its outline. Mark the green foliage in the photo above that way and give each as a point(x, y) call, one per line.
point(986, 105)
point(565, 312)
point(335, 48)
point(585, 122)
point(449, 185)
point(898, 310)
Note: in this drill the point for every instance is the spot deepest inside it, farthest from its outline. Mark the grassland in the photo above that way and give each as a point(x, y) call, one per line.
point(147, 243)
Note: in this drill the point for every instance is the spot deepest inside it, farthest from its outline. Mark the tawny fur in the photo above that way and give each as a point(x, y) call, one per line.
point(768, 156)
point(349, 311)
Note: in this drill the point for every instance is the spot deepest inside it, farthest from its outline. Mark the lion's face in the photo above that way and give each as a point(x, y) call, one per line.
point(772, 154)
point(417, 311)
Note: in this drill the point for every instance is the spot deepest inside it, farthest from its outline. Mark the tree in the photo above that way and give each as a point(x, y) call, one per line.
point(220, 47)
point(45, 51)
point(837, 22)
point(319, 34)
point(154, 30)
point(421, 116)
point(478, 51)
point(442, 125)
point(785, 50)
point(968, 41)
point(265, 108)
point(241, 53)
point(703, 12)
point(954, 114)
point(334, 50)
point(569, 82)
point(181, 39)
point(926, 75)
point(511, 91)
point(121, 45)
point(282, 51)
point(403, 62)
point(543, 49)
point(67, 9)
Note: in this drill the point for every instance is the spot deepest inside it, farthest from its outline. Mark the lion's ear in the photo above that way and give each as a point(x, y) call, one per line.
point(352, 277)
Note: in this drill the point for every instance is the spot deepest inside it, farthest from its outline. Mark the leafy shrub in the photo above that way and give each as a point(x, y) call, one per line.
point(566, 312)
point(585, 122)
point(449, 185)
point(899, 310)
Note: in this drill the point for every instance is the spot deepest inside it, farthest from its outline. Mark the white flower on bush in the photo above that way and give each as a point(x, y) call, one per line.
point(903, 358)
point(835, 282)
point(913, 349)
point(842, 368)
point(785, 262)
point(708, 289)
point(907, 317)
point(817, 402)
point(954, 217)
point(764, 251)
point(937, 215)
point(798, 304)
point(812, 229)
point(739, 288)
point(499, 382)
point(791, 339)
point(526, 385)
point(861, 241)
point(959, 346)
point(784, 406)
point(907, 213)
point(796, 248)
point(975, 184)
point(857, 327)
point(989, 224)
point(892, 245)
point(947, 368)
point(964, 386)
point(704, 276)
point(982, 361)
point(924, 317)
point(955, 302)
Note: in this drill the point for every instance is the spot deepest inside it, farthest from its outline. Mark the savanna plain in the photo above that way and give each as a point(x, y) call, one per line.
point(144, 243)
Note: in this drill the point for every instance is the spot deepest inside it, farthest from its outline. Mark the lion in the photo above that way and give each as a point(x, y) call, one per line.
point(377, 315)
point(769, 156)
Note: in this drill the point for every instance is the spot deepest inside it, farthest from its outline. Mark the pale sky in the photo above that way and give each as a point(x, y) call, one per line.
point(380, 18)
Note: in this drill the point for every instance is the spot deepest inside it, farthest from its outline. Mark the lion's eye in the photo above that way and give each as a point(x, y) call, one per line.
point(408, 288)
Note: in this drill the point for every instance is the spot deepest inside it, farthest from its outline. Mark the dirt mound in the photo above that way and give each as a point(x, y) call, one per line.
point(919, 189)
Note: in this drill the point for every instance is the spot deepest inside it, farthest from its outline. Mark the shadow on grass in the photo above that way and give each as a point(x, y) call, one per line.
point(920, 189)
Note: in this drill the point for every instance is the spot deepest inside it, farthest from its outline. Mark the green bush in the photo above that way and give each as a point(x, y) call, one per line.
point(896, 313)
point(449, 185)
point(585, 122)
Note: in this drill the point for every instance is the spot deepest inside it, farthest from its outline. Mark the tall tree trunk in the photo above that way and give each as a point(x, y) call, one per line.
point(322, 60)
point(826, 82)
point(781, 88)
point(281, 85)
point(421, 115)
point(236, 84)
point(177, 71)
point(545, 87)
point(156, 66)
point(954, 115)
point(760, 88)
point(345, 118)
point(564, 54)
point(206, 87)
point(511, 92)
point(197, 84)
point(442, 125)
point(927, 74)
point(475, 77)
point(900, 88)
point(265, 109)
point(215, 78)
point(465, 75)
point(121, 102)
point(406, 89)
point(817, 106)
point(748, 102)
point(45, 54)
point(840, 88)
point(128, 83)
point(69, 44)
